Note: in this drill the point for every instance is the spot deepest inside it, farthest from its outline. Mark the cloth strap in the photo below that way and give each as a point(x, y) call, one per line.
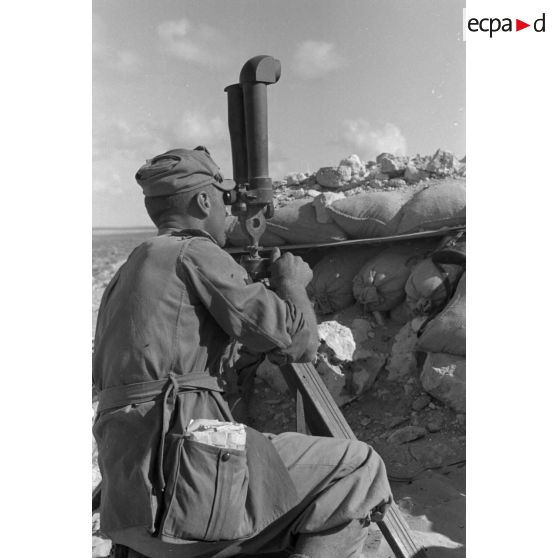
point(166, 390)
point(142, 392)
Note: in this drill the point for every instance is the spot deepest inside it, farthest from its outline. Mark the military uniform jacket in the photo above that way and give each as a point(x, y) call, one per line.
point(164, 321)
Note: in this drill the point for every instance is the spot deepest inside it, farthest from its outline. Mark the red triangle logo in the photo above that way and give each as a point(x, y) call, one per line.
point(519, 25)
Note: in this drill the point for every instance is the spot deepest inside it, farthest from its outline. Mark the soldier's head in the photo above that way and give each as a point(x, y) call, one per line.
point(184, 188)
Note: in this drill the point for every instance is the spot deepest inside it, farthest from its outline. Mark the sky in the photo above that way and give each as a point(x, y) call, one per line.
point(358, 76)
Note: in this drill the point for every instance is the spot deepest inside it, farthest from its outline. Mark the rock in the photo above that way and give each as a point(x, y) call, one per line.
point(95, 472)
point(364, 373)
point(347, 171)
point(396, 183)
point(435, 424)
point(402, 361)
point(396, 421)
point(295, 178)
point(444, 377)
point(338, 339)
point(443, 163)
point(298, 193)
point(333, 378)
point(334, 177)
point(101, 547)
point(313, 193)
point(406, 434)
point(354, 163)
point(272, 376)
point(360, 328)
point(391, 165)
point(412, 174)
point(322, 201)
point(421, 402)
point(365, 421)
point(310, 181)
point(433, 454)
point(363, 336)
point(377, 176)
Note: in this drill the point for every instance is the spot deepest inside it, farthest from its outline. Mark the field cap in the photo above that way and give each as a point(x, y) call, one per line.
point(180, 170)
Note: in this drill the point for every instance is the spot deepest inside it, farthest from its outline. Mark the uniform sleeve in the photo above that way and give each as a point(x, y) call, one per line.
point(249, 312)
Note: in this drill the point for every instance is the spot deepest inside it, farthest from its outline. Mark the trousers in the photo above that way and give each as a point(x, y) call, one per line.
point(339, 482)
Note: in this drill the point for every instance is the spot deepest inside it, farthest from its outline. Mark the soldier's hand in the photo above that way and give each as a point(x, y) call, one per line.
point(288, 269)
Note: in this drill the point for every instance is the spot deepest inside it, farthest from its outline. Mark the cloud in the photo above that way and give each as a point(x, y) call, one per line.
point(126, 61)
point(119, 149)
point(198, 128)
point(368, 142)
point(200, 44)
point(108, 57)
point(314, 59)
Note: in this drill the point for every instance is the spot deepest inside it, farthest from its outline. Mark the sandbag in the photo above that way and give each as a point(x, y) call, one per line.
point(331, 288)
point(446, 332)
point(237, 237)
point(380, 284)
point(369, 215)
point(430, 286)
point(296, 223)
point(439, 204)
point(401, 314)
point(444, 377)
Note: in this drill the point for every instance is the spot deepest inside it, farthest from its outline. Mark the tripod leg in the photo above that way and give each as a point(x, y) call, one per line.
point(324, 418)
point(301, 425)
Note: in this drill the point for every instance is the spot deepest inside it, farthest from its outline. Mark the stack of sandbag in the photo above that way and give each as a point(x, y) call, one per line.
point(439, 204)
point(380, 283)
point(430, 286)
point(443, 338)
point(331, 288)
point(237, 237)
point(369, 215)
point(445, 333)
point(297, 223)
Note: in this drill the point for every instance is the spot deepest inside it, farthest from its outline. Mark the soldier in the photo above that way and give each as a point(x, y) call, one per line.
point(163, 324)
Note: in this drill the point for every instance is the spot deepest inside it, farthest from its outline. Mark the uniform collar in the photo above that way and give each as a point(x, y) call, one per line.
point(174, 231)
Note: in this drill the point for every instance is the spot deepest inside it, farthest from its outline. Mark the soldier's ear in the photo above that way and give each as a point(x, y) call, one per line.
point(203, 201)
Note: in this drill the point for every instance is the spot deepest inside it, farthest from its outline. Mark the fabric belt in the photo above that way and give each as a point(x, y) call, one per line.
point(142, 392)
point(165, 390)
